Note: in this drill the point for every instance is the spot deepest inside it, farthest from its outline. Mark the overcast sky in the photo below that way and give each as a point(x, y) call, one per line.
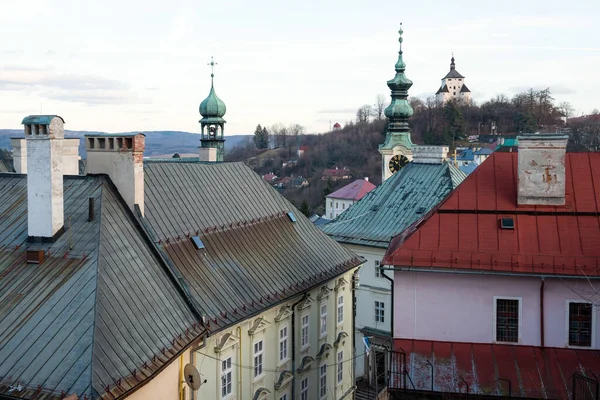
point(142, 65)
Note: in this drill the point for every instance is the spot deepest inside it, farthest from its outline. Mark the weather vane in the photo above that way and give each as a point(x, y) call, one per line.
point(212, 64)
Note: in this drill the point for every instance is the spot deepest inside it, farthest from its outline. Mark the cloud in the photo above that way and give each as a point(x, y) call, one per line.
point(337, 111)
point(87, 89)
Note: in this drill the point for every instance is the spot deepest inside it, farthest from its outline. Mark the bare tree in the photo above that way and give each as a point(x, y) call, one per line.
point(279, 133)
point(379, 107)
point(566, 109)
point(363, 114)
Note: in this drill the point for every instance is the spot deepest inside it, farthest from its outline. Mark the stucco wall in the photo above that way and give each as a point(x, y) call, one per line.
point(165, 385)
point(334, 206)
point(448, 307)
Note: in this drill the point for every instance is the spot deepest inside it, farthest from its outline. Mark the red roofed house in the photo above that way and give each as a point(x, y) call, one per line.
point(336, 174)
point(497, 290)
point(341, 200)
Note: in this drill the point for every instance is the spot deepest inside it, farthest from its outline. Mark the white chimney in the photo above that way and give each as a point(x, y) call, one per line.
point(367, 178)
point(19, 155)
point(541, 171)
point(45, 207)
point(207, 154)
point(121, 158)
point(429, 154)
point(69, 157)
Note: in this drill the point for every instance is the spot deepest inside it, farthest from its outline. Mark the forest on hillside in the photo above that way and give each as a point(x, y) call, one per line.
point(454, 124)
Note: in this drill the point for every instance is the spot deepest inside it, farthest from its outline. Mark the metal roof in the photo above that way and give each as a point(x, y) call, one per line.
point(393, 206)
point(353, 191)
point(453, 74)
point(97, 309)
point(254, 256)
point(464, 233)
point(40, 119)
point(533, 372)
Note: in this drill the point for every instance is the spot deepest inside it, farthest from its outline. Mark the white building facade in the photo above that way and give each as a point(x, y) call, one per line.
point(453, 87)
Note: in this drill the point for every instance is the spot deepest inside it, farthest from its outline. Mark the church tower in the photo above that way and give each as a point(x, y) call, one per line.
point(396, 150)
point(212, 110)
point(453, 87)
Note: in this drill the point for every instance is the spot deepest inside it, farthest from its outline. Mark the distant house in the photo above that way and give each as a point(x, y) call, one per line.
point(496, 292)
point(482, 154)
point(337, 126)
point(299, 181)
point(270, 177)
point(336, 174)
point(302, 151)
point(341, 200)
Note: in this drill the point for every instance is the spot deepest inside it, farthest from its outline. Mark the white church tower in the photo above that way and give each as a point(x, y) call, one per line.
point(453, 87)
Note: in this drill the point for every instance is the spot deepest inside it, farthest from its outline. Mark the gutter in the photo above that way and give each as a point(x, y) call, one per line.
point(479, 272)
point(391, 319)
point(542, 312)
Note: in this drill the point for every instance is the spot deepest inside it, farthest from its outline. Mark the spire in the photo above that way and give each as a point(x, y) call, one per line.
point(399, 109)
point(212, 64)
point(452, 65)
point(212, 106)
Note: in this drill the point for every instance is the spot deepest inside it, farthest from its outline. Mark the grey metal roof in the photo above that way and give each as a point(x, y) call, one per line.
point(99, 307)
point(443, 89)
point(394, 205)
point(254, 255)
point(453, 74)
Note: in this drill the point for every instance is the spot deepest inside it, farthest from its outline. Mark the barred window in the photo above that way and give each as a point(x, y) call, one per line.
point(580, 324)
point(507, 320)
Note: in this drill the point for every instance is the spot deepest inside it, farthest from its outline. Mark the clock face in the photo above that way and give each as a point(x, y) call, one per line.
point(397, 162)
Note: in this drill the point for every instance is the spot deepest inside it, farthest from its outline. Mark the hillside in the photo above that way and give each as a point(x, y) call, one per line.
point(157, 142)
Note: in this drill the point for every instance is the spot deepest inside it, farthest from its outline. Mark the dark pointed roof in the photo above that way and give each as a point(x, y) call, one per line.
point(453, 72)
point(464, 89)
point(443, 89)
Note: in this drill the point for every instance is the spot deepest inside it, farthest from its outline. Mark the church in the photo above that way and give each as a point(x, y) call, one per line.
point(453, 87)
point(415, 179)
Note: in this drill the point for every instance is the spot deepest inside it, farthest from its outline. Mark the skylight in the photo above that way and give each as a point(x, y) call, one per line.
point(507, 223)
point(291, 216)
point(197, 242)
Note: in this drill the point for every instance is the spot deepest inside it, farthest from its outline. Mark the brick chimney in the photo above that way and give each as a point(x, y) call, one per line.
point(429, 154)
point(45, 206)
point(541, 172)
point(121, 158)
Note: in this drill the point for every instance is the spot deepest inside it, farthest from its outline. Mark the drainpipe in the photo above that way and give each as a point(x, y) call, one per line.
point(294, 344)
point(542, 312)
point(391, 321)
point(239, 331)
point(193, 360)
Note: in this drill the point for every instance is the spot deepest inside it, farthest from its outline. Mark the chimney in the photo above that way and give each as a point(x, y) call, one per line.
point(19, 155)
point(541, 171)
point(367, 178)
point(207, 154)
point(429, 154)
point(120, 156)
point(69, 157)
point(45, 214)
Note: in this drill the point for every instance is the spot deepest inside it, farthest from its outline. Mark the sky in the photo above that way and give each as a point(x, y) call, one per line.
point(119, 66)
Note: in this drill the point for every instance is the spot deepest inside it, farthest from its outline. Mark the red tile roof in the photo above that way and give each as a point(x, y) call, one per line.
point(353, 191)
point(534, 372)
point(337, 172)
point(463, 232)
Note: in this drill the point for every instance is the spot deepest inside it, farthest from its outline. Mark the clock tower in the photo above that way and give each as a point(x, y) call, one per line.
point(396, 151)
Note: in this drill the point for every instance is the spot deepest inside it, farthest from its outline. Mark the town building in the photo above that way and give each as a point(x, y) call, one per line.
point(336, 174)
point(396, 150)
point(453, 87)
point(113, 281)
point(342, 199)
point(496, 291)
point(368, 226)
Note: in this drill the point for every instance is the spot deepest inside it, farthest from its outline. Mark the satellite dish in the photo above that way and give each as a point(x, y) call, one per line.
point(192, 376)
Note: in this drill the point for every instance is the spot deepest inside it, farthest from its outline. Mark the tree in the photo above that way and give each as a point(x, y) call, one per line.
point(379, 107)
point(304, 208)
point(261, 138)
point(280, 133)
point(363, 114)
point(454, 122)
point(566, 109)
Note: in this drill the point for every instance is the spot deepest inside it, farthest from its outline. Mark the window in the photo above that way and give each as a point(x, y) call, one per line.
point(379, 311)
point(336, 204)
point(304, 389)
point(226, 372)
point(323, 319)
point(331, 204)
point(507, 320)
point(377, 270)
point(258, 358)
point(343, 206)
point(323, 381)
point(283, 343)
point(580, 324)
point(340, 310)
point(340, 364)
point(283, 397)
point(304, 332)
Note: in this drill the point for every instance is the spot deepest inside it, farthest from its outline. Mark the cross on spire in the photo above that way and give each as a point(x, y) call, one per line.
point(212, 64)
